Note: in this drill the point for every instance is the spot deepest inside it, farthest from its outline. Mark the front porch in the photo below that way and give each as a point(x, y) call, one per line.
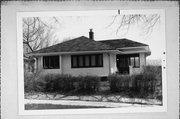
point(130, 63)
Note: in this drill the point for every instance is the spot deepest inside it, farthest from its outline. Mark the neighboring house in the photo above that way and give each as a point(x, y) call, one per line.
point(85, 56)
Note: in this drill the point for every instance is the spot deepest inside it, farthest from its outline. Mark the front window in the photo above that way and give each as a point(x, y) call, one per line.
point(51, 62)
point(87, 61)
point(74, 61)
point(135, 61)
point(84, 61)
point(93, 60)
point(128, 60)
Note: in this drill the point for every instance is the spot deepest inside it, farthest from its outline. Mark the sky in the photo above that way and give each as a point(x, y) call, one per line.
point(70, 27)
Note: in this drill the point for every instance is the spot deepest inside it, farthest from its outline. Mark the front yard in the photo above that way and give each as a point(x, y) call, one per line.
point(89, 91)
point(60, 101)
point(56, 106)
point(94, 98)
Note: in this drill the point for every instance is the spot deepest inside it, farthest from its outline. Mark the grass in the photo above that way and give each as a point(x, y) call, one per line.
point(52, 106)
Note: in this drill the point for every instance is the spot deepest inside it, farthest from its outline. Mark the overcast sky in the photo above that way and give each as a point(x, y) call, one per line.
point(75, 26)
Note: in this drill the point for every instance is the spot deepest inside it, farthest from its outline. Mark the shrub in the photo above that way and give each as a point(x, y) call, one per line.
point(119, 82)
point(157, 82)
point(144, 84)
point(30, 81)
point(87, 84)
point(39, 82)
point(138, 85)
point(58, 83)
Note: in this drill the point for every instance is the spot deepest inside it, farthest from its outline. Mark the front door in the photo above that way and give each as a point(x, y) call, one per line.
point(123, 64)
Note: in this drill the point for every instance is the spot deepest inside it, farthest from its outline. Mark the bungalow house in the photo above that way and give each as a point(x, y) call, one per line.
point(85, 56)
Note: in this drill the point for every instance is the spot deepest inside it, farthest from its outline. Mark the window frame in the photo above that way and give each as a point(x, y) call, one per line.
point(50, 58)
point(90, 61)
point(134, 57)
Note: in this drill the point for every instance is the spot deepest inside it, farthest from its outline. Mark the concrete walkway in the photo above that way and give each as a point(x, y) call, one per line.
point(117, 99)
point(84, 103)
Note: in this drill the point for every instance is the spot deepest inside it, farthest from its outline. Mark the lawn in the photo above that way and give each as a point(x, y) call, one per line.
point(52, 106)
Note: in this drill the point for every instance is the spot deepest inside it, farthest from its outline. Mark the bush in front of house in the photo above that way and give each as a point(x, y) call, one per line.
point(57, 83)
point(157, 82)
point(143, 85)
point(31, 80)
point(48, 83)
point(87, 84)
point(28, 83)
point(119, 83)
point(39, 82)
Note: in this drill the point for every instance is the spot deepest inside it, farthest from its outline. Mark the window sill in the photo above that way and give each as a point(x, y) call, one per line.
point(51, 68)
point(88, 67)
point(135, 67)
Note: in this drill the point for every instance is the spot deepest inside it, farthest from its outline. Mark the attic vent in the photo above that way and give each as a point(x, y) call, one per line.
point(91, 34)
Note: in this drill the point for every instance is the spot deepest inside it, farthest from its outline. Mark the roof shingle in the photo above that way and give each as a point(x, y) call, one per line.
point(121, 43)
point(78, 44)
point(85, 44)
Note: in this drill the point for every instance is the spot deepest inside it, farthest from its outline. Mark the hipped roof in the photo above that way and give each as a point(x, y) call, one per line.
point(85, 44)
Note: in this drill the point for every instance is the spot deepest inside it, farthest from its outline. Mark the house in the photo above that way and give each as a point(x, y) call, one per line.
point(85, 56)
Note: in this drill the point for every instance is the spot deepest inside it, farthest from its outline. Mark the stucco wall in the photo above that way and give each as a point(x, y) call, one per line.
point(65, 67)
point(108, 59)
point(142, 57)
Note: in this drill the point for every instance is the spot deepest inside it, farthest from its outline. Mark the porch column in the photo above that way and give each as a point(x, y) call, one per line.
point(60, 58)
point(109, 62)
point(130, 70)
point(36, 64)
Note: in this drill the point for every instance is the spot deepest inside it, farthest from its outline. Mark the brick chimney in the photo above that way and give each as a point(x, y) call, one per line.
point(91, 34)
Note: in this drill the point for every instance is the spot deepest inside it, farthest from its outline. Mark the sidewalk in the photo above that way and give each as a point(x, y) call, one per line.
point(117, 99)
point(84, 103)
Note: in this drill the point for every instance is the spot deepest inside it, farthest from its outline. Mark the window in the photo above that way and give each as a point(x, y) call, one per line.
point(99, 60)
point(81, 63)
point(87, 61)
point(51, 62)
point(135, 61)
point(84, 61)
point(132, 61)
point(93, 60)
point(74, 63)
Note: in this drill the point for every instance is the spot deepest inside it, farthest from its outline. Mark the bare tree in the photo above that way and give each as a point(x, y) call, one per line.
point(36, 35)
point(123, 22)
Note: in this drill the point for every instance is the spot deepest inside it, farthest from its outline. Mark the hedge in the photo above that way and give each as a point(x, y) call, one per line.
point(40, 82)
point(145, 84)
